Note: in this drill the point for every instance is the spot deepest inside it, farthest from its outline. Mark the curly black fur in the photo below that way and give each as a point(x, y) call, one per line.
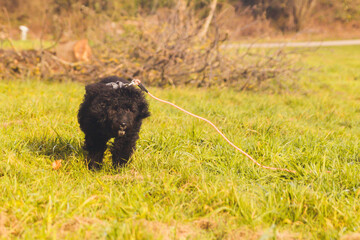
point(111, 113)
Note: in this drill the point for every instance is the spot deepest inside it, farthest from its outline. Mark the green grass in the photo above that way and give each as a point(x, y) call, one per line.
point(24, 44)
point(184, 181)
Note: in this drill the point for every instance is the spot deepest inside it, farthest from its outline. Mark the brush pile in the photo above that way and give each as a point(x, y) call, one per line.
point(167, 51)
point(44, 64)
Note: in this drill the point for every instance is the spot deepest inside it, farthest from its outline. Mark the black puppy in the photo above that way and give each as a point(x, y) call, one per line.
point(112, 108)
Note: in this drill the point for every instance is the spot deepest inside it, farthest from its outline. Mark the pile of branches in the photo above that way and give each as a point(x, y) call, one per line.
point(165, 51)
point(171, 53)
point(43, 64)
point(170, 50)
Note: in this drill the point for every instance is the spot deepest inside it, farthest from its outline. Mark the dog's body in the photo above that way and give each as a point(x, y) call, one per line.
point(111, 109)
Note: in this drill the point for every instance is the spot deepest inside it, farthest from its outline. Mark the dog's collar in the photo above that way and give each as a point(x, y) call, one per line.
point(118, 84)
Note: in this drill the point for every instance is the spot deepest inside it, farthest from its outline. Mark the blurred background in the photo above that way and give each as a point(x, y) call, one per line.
point(241, 18)
point(166, 42)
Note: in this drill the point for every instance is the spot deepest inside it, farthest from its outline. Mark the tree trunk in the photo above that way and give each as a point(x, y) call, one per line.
point(208, 19)
point(301, 9)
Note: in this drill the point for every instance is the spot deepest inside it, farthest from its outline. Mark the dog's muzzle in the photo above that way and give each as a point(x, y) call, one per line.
point(121, 131)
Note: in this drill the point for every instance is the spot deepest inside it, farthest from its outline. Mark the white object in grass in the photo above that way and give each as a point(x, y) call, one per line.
point(24, 30)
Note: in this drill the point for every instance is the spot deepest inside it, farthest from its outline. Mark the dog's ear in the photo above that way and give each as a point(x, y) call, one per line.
point(143, 110)
point(91, 89)
point(96, 88)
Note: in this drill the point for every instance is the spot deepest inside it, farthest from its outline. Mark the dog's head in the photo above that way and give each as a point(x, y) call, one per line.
point(116, 111)
point(120, 120)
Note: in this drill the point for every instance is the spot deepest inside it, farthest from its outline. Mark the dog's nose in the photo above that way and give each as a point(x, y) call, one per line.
point(123, 124)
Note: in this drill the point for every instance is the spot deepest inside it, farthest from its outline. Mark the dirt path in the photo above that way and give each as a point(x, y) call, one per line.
point(295, 44)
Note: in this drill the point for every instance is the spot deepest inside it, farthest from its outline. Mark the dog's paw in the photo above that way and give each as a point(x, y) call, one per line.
point(94, 166)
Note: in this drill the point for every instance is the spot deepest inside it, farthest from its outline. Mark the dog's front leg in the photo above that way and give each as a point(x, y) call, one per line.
point(96, 148)
point(122, 149)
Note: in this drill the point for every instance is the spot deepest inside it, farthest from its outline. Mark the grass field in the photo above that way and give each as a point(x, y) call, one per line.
point(25, 44)
point(184, 181)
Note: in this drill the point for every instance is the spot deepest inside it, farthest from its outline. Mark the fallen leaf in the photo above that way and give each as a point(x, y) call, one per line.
point(56, 164)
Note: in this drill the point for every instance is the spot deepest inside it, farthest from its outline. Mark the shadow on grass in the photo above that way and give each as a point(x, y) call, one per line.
point(67, 149)
point(56, 147)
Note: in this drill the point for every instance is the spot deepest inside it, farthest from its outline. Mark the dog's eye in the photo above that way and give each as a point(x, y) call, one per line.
point(112, 112)
point(128, 106)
